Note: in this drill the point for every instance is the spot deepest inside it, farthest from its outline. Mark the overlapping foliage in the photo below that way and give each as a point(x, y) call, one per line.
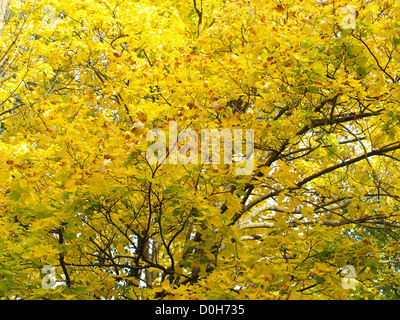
point(83, 82)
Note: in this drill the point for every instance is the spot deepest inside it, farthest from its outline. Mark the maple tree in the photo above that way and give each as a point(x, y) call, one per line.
point(82, 85)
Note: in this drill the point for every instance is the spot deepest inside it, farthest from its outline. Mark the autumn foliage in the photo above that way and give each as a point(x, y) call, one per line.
point(84, 82)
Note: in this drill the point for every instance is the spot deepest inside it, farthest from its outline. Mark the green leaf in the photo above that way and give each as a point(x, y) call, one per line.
point(362, 71)
point(14, 195)
point(362, 270)
point(374, 269)
point(345, 32)
point(320, 280)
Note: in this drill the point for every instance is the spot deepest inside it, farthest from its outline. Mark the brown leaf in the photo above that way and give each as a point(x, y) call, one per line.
point(117, 54)
point(142, 116)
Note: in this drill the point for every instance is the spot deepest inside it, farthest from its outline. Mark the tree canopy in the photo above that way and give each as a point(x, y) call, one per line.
point(84, 85)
